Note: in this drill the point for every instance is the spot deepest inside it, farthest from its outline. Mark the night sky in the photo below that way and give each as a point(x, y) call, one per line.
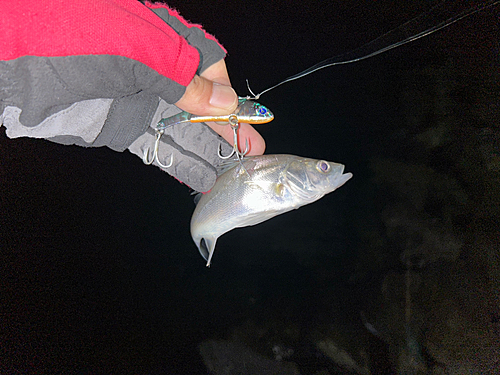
point(99, 271)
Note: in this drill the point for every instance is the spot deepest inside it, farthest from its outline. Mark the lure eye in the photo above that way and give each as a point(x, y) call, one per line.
point(322, 166)
point(262, 111)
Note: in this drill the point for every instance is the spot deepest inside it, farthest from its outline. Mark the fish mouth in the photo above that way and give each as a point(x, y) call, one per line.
point(342, 179)
point(338, 178)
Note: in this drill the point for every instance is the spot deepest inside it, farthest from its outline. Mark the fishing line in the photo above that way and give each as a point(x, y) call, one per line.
point(438, 17)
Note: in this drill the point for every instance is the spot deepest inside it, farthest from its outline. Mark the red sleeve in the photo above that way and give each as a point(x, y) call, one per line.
point(96, 27)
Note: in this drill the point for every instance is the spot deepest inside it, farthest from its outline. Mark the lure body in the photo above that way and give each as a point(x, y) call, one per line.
point(248, 112)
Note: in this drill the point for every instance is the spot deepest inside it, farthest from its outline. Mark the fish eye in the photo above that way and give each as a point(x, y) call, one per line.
point(262, 110)
point(322, 166)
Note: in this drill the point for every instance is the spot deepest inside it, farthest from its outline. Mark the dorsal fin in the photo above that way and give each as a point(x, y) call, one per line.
point(197, 197)
point(226, 165)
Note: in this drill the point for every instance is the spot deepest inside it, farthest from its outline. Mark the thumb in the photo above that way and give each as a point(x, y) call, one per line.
point(206, 97)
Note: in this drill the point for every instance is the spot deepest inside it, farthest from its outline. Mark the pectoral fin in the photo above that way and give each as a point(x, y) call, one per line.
point(207, 247)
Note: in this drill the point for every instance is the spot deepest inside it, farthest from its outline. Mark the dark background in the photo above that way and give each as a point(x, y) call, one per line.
point(98, 270)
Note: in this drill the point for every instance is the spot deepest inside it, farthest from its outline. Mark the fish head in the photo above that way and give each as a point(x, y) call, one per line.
point(252, 112)
point(311, 179)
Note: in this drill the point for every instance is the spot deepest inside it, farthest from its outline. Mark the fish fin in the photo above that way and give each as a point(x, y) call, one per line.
point(207, 247)
point(226, 165)
point(197, 197)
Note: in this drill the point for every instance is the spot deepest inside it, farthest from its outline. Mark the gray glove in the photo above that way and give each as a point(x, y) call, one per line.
point(99, 122)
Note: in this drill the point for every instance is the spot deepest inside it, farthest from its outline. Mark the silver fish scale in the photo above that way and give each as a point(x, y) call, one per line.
point(273, 185)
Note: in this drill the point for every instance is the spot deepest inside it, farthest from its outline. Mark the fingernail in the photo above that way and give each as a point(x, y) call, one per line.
point(223, 96)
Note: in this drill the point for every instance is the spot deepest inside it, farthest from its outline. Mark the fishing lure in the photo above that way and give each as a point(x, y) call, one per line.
point(440, 16)
point(247, 111)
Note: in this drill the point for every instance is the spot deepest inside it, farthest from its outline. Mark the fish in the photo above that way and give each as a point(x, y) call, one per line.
point(263, 187)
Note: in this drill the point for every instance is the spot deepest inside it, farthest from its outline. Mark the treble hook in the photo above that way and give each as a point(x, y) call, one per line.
point(233, 122)
point(159, 133)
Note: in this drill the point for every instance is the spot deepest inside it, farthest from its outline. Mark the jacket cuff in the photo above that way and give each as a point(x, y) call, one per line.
point(211, 51)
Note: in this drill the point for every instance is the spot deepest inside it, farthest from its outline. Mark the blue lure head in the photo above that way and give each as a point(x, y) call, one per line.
point(251, 112)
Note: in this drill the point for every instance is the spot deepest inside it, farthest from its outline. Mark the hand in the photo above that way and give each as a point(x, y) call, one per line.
point(212, 94)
